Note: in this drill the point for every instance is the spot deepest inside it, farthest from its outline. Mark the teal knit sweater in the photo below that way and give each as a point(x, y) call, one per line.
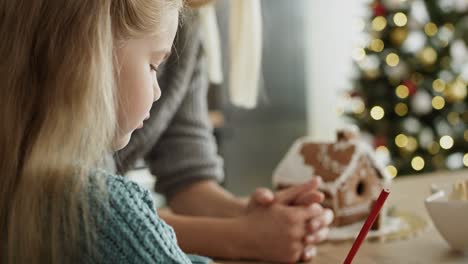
point(128, 228)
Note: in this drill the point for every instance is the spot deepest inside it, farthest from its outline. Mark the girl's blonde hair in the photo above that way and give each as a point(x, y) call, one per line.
point(58, 116)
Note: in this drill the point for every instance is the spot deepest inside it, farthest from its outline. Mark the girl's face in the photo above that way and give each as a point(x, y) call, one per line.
point(138, 62)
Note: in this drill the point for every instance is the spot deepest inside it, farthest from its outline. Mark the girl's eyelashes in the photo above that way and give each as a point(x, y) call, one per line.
point(154, 72)
point(153, 68)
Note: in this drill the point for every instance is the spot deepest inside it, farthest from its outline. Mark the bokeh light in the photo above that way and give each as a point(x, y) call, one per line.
point(438, 85)
point(438, 102)
point(417, 163)
point(400, 19)
point(377, 112)
point(401, 140)
point(392, 170)
point(401, 109)
point(430, 29)
point(402, 91)
point(446, 142)
point(379, 23)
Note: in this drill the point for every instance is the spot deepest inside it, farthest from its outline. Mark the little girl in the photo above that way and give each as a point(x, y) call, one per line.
point(77, 78)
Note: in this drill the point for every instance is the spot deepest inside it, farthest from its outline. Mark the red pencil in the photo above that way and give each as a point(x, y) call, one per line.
point(367, 225)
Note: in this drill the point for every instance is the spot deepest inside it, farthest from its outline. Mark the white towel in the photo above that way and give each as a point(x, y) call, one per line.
point(245, 52)
point(211, 43)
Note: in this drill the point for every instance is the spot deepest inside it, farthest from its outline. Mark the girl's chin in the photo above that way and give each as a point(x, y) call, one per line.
point(121, 142)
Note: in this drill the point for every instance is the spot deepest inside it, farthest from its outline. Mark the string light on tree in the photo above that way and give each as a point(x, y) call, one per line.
point(438, 85)
point(401, 109)
point(377, 45)
point(402, 91)
point(428, 56)
point(400, 19)
point(379, 23)
point(377, 112)
point(446, 142)
point(393, 170)
point(430, 29)
point(401, 140)
point(438, 102)
point(417, 163)
point(392, 59)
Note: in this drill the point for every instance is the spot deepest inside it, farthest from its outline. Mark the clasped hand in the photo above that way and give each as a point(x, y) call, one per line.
point(285, 226)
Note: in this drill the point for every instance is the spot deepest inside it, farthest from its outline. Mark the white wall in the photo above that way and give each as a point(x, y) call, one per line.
point(331, 35)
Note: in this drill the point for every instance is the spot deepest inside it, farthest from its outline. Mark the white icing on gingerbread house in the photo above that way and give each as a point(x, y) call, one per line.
point(352, 177)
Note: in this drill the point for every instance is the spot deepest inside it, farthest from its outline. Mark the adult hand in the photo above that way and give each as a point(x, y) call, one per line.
point(287, 224)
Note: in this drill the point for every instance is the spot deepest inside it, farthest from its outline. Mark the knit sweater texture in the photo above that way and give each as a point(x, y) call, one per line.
point(128, 228)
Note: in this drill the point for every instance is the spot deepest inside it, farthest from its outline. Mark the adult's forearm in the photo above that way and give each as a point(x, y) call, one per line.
point(208, 236)
point(207, 198)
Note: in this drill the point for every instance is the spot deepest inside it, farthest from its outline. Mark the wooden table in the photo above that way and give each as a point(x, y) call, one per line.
point(407, 193)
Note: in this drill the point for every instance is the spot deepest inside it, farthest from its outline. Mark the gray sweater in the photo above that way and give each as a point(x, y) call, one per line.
point(177, 142)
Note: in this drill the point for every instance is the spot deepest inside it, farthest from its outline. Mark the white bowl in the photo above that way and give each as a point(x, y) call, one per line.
point(450, 217)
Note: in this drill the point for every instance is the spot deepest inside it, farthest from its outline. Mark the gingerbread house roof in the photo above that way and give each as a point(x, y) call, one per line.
point(334, 162)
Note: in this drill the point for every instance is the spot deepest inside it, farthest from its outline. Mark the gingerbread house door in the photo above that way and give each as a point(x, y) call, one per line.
point(358, 192)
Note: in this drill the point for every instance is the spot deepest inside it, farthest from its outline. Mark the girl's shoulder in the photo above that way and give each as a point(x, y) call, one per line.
point(118, 189)
point(127, 225)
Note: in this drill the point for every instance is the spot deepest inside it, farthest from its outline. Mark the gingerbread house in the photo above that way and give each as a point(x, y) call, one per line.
point(352, 177)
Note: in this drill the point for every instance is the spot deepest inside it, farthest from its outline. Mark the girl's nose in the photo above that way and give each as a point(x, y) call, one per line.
point(157, 93)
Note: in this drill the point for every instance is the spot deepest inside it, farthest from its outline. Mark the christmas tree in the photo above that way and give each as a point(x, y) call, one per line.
point(410, 92)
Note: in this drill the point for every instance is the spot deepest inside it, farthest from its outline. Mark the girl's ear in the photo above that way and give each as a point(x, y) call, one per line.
point(197, 3)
